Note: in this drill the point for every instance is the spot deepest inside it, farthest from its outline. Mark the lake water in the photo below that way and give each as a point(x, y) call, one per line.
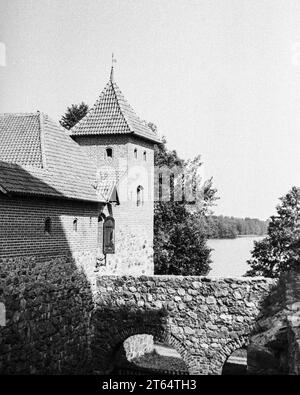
point(229, 256)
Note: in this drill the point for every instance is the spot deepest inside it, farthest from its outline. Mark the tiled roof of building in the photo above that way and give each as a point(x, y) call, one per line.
point(112, 114)
point(38, 158)
point(20, 140)
point(107, 179)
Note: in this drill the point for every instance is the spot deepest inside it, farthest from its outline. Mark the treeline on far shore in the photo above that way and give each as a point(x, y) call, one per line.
point(221, 227)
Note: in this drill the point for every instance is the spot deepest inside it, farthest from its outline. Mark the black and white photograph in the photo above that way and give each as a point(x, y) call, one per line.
point(149, 191)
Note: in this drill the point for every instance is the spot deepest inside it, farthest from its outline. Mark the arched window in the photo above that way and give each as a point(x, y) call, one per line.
point(145, 155)
point(140, 196)
point(75, 225)
point(47, 226)
point(109, 235)
point(109, 152)
point(135, 153)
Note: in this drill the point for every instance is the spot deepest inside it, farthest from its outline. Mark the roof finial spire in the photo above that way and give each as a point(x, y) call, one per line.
point(113, 60)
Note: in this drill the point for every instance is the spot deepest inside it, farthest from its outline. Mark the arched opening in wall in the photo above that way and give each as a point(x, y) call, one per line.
point(142, 354)
point(236, 363)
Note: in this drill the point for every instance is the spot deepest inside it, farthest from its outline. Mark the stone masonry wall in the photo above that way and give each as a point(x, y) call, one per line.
point(46, 308)
point(204, 319)
point(48, 303)
point(275, 344)
point(63, 317)
point(293, 316)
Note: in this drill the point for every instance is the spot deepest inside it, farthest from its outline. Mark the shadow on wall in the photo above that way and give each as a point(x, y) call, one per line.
point(274, 344)
point(114, 325)
point(236, 363)
point(48, 302)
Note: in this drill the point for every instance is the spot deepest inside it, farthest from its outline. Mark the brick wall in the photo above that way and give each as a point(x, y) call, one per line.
point(22, 219)
point(134, 224)
point(22, 222)
point(122, 145)
point(22, 232)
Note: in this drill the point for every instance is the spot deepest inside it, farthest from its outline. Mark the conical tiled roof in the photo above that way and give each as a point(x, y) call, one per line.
point(112, 114)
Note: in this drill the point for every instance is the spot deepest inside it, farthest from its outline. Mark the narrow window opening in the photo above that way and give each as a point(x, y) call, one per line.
point(75, 223)
point(145, 156)
point(135, 153)
point(47, 226)
point(109, 152)
point(140, 196)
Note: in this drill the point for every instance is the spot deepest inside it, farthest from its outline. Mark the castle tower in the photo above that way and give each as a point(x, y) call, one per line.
point(122, 147)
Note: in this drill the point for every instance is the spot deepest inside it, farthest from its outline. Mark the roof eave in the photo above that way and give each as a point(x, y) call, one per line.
point(49, 196)
point(154, 139)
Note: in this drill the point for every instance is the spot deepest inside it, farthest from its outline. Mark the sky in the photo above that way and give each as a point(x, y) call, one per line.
point(220, 78)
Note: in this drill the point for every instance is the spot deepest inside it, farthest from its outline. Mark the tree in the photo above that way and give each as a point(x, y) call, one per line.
point(73, 115)
point(179, 242)
point(184, 250)
point(280, 250)
point(220, 227)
